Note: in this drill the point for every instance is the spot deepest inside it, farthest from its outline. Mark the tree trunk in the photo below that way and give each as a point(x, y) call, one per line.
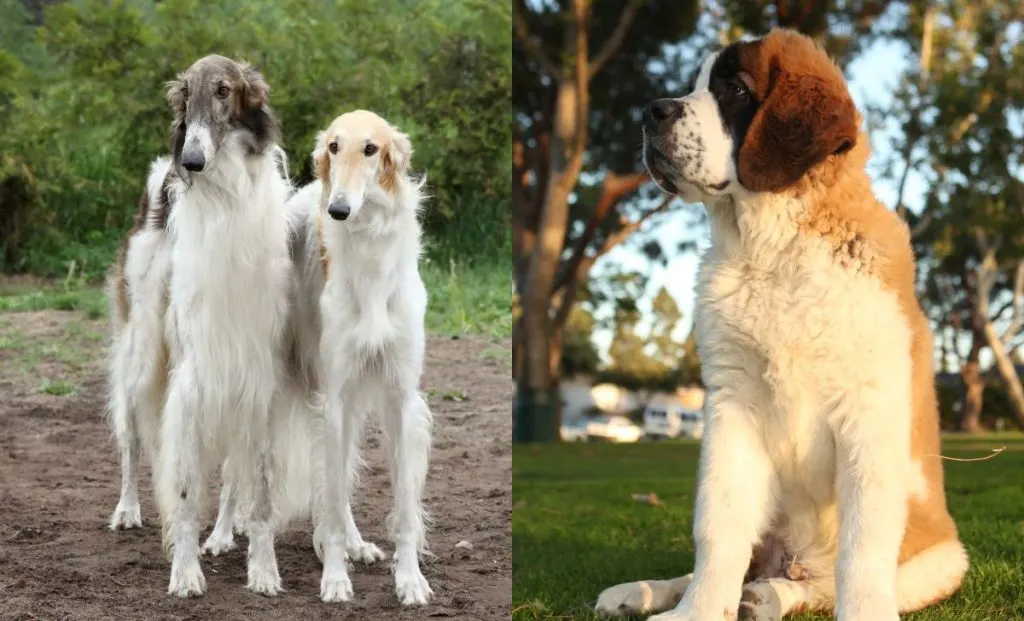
point(974, 389)
point(1008, 372)
point(535, 416)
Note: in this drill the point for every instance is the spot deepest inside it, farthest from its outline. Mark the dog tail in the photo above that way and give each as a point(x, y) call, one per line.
point(293, 439)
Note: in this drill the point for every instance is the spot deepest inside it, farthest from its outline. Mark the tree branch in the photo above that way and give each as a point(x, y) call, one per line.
point(614, 42)
point(530, 44)
point(1018, 304)
point(568, 293)
point(613, 189)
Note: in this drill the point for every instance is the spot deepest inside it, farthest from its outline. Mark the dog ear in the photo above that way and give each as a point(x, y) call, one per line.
point(176, 97)
point(176, 93)
point(803, 120)
point(321, 161)
point(396, 158)
point(255, 90)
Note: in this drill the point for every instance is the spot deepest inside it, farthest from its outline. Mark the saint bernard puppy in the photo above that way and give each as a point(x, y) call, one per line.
point(820, 483)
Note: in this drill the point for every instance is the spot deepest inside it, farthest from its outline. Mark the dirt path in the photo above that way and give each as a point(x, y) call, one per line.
point(59, 481)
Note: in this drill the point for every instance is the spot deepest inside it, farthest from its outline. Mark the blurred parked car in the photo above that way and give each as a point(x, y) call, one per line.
point(673, 421)
point(613, 429)
point(574, 431)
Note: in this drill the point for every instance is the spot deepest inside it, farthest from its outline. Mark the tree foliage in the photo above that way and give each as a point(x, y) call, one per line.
point(82, 104)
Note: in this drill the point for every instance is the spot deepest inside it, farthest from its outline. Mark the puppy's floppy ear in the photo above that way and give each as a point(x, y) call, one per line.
point(396, 158)
point(803, 120)
point(321, 161)
point(256, 91)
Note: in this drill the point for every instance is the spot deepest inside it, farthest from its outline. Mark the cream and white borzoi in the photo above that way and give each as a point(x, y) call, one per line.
point(200, 301)
point(360, 327)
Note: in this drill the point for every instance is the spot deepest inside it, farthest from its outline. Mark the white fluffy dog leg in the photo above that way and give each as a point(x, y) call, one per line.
point(407, 424)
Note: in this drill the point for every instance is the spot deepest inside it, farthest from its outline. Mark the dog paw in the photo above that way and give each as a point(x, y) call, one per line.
point(679, 615)
point(625, 600)
point(217, 544)
point(335, 587)
point(265, 581)
point(364, 552)
point(412, 588)
point(760, 602)
point(186, 581)
point(126, 517)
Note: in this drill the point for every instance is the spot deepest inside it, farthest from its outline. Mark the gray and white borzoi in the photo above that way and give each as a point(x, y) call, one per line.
point(200, 302)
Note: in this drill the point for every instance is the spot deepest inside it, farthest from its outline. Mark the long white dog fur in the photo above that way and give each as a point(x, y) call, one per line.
point(201, 306)
point(360, 313)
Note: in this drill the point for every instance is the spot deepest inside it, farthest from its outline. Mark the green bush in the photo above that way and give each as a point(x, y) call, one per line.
point(82, 104)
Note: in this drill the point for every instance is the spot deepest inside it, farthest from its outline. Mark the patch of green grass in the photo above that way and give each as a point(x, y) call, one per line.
point(576, 530)
point(468, 299)
point(462, 299)
point(88, 299)
point(58, 388)
point(452, 394)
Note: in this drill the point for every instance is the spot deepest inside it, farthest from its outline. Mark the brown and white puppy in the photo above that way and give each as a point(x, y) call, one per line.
point(820, 485)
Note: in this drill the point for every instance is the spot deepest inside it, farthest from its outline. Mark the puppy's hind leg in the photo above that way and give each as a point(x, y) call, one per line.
point(407, 424)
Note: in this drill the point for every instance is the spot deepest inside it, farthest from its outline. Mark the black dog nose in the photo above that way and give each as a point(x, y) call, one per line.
point(193, 163)
point(662, 111)
point(339, 209)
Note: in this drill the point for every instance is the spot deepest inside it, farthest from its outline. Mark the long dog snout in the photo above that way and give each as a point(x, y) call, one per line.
point(339, 209)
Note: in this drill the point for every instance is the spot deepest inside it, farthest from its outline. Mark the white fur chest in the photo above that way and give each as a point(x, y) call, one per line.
point(373, 295)
point(230, 280)
point(786, 329)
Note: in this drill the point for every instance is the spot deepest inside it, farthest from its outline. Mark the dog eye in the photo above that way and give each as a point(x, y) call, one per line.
point(739, 89)
point(333, 148)
point(222, 91)
point(370, 150)
point(184, 92)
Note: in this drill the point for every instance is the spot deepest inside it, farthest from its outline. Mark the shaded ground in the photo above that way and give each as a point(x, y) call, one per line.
point(59, 481)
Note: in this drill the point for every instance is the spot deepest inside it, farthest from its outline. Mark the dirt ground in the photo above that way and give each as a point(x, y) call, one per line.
point(59, 482)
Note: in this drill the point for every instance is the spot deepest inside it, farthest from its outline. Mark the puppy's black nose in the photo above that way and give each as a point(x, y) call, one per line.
point(339, 209)
point(662, 112)
point(193, 163)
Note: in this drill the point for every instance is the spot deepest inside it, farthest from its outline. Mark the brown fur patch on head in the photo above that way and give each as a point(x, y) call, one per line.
point(396, 155)
point(806, 113)
point(255, 91)
point(322, 160)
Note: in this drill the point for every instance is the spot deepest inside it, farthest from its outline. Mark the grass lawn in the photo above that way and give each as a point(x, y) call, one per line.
point(462, 299)
point(576, 530)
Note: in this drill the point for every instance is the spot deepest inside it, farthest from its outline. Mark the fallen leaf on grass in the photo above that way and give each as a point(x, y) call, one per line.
point(647, 499)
